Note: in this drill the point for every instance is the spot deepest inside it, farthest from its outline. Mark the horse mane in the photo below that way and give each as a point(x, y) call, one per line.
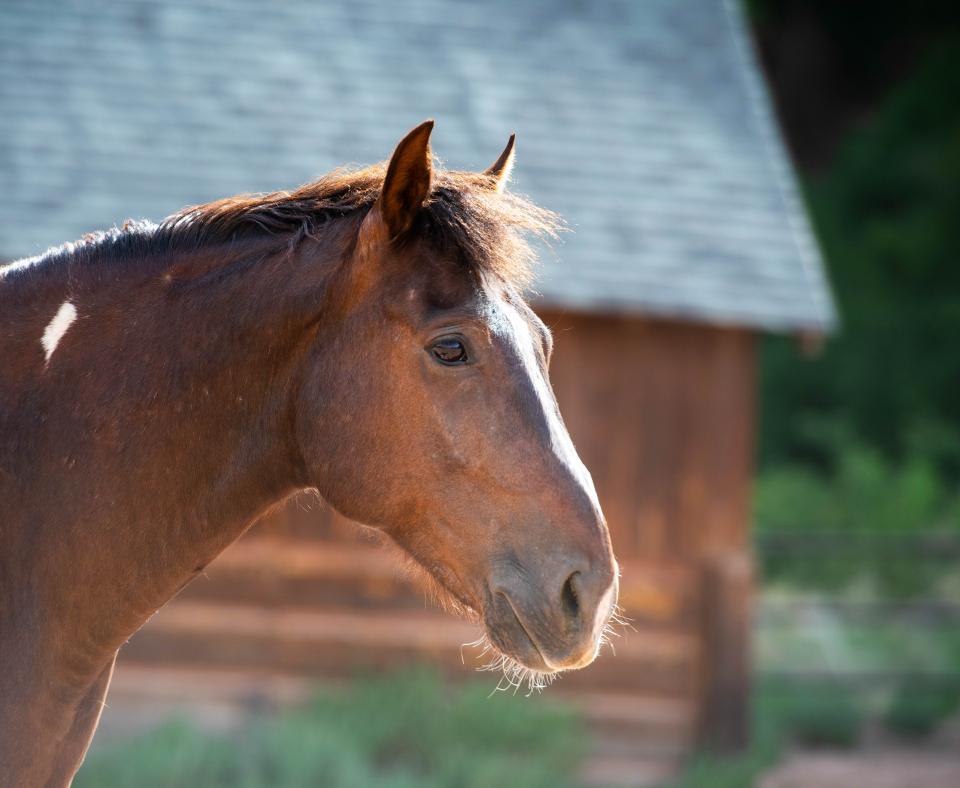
point(463, 217)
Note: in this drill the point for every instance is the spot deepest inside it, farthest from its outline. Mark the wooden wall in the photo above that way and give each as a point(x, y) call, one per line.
point(663, 416)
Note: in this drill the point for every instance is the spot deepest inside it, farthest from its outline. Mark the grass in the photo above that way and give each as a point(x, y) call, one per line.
point(407, 730)
point(813, 713)
point(919, 706)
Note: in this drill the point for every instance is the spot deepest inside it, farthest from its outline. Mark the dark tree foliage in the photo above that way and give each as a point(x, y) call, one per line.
point(887, 211)
point(830, 63)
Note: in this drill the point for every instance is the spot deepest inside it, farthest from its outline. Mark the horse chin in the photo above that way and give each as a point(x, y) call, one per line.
point(508, 650)
point(520, 669)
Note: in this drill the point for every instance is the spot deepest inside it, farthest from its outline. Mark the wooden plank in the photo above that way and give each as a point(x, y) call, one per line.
point(295, 572)
point(629, 772)
point(727, 609)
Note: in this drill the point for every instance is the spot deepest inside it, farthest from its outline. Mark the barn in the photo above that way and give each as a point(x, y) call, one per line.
point(646, 125)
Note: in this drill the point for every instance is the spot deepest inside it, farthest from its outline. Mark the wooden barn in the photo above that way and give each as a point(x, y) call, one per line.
point(646, 125)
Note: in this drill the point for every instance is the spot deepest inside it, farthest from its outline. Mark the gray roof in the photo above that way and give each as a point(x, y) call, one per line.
point(646, 124)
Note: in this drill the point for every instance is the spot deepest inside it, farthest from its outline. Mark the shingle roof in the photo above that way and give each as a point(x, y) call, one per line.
point(646, 124)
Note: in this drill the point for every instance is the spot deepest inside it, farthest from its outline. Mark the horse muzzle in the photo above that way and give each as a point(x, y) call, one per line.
point(551, 626)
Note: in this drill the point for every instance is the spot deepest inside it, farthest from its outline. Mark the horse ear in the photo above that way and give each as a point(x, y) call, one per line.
point(501, 168)
point(407, 184)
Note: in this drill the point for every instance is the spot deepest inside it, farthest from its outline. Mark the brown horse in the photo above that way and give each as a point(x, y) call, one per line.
point(164, 385)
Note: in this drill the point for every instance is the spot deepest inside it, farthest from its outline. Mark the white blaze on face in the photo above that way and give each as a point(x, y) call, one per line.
point(524, 342)
point(57, 327)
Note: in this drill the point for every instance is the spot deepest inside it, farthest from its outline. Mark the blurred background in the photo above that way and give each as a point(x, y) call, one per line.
point(756, 316)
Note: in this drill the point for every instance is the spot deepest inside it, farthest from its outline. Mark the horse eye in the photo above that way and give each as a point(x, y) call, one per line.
point(449, 350)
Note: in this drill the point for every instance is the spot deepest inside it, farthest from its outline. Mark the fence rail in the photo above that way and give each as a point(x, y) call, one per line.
point(870, 616)
point(925, 612)
point(933, 545)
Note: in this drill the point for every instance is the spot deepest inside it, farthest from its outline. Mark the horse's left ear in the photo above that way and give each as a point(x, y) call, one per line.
point(500, 170)
point(407, 184)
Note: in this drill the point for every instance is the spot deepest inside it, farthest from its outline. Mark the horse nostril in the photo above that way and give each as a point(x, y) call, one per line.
point(569, 599)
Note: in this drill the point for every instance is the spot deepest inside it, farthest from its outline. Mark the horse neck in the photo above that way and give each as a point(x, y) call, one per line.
point(166, 431)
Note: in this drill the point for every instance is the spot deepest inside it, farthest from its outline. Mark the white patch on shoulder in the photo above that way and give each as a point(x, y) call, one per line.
point(57, 327)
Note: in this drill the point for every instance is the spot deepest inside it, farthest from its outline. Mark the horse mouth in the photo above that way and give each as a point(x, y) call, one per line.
point(516, 647)
point(532, 656)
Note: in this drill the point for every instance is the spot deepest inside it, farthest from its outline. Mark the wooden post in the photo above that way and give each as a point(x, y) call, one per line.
point(727, 596)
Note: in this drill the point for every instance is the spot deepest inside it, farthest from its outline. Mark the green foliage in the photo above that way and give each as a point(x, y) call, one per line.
point(815, 713)
point(887, 215)
point(405, 731)
point(920, 705)
point(865, 492)
point(876, 502)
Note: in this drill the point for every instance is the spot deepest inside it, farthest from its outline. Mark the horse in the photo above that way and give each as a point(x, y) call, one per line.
point(364, 336)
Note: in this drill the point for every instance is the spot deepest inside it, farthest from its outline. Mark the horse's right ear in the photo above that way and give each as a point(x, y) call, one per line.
point(406, 185)
point(500, 170)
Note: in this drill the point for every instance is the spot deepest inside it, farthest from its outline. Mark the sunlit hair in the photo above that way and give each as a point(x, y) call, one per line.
point(463, 217)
